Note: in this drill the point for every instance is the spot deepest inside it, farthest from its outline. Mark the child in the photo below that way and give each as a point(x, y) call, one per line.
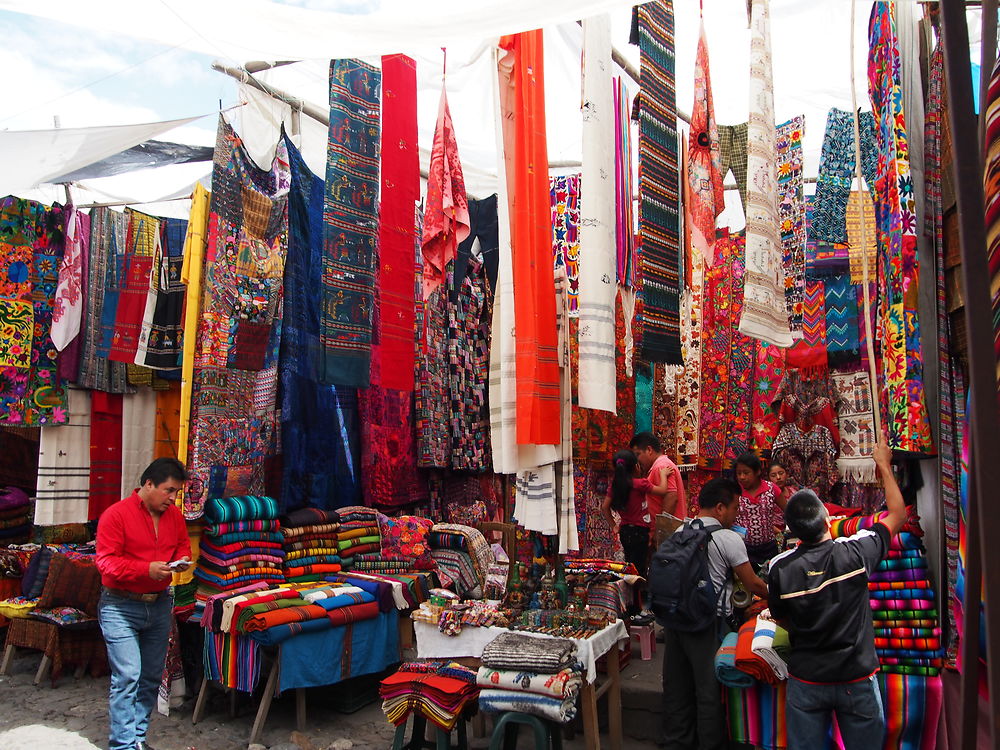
point(779, 475)
point(628, 498)
point(761, 512)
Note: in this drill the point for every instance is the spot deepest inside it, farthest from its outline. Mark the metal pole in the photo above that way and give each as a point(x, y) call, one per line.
point(984, 471)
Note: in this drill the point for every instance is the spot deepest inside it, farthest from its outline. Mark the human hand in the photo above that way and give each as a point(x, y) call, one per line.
point(159, 570)
point(179, 566)
point(883, 453)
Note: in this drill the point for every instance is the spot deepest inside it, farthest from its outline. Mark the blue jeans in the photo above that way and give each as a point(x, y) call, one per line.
point(858, 706)
point(137, 635)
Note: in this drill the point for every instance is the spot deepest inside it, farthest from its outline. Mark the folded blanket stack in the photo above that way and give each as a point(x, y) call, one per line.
point(539, 676)
point(440, 691)
point(463, 558)
point(310, 544)
point(903, 602)
point(241, 545)
point(725, 665)
point(358, 535)
point(15, 520)
point(759, 649)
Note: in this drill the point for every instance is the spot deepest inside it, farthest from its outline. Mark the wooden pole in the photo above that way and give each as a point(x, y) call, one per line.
point(984, 469)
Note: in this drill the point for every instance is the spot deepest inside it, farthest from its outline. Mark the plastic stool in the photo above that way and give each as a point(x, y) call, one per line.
point(442, 739)
point(548, 734)
point(647, 639)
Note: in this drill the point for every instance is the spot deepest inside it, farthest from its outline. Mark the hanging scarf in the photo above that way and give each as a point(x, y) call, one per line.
point(350, 221)
point(769, 369)
point(764, 316)
point(31, 248)
point(67, 309)
point(902, 391)
point(624, 187)
point(64, 466)
point(598, 223)
point(843, 342)
point(142, 245)
point(860, 209)
point(704, 173)
point(856, 420)
point(791, 216)
point(537, 366)
point(161, 339)
point(659, 182)
point(191, 273)
point(105, 452)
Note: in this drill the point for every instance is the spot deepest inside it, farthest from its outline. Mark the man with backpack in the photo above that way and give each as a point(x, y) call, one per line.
point(690, 586)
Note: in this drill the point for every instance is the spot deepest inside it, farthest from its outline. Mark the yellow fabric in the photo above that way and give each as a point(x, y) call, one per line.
point(15, 609)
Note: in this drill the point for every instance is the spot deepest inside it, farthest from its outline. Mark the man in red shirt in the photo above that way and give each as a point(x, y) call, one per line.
point(141, 541)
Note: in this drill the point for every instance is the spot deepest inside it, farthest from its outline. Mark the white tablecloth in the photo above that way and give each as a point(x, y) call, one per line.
point(433, 644)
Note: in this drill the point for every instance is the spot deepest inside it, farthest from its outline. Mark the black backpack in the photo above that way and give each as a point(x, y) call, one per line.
point(681, 592)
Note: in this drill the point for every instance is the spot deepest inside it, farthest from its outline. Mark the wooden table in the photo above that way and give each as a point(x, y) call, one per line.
point(468, 646)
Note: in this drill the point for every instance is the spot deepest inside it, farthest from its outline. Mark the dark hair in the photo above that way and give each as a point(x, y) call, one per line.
point(774, 463)
point(716, 491)
point(806, 516)
point(623, 465)
point(750, 460)
point(163, 469)
point(643, 440)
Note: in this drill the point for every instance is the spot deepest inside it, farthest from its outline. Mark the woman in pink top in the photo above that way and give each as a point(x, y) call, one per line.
point(762, 510)
point(628, 498)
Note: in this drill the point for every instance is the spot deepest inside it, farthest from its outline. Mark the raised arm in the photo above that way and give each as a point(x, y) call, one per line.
point(896, 516)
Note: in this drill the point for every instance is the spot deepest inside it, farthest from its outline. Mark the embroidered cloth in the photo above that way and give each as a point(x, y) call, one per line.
point(791, 216)
point(704, 160)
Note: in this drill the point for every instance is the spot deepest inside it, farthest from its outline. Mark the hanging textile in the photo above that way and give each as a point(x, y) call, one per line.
point(727, 360)
point(138, 436)
point(350, 222)
point(69, 356)
point(565, 196)
point(598, 227)
point(791, 216)
point(936, 130)
point(902, 390)
point(96, 372)
point(764, 316)
point(856, 422)
point(704, 167)
point(142, 245)
point(191, 273)
point(843, 341)
point(433, 397)
point(624, 187)
point(233, 411)
point(808, 455)
point(684, 383)
point(992, 191)
point(837, 170)
point(502, 382)
point(161, 340)
point(536, 364)
point(31, 248)
point(861, 210)
point(64, 466)
point(319, 422)
point(809, 353)
point(733, 156)
point(769, 369)
point(659, 182)
point(105, 452)
point(566, 491)
point(446, 215)
point(67, 309)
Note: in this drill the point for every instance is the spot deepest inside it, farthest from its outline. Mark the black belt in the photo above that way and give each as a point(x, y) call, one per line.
point(134, 596)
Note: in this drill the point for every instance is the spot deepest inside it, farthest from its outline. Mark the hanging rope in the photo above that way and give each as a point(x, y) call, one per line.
point(869, 339)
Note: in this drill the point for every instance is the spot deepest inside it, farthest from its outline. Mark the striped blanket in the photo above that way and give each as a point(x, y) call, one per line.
point(240, 508)
point(553, 709)
point(563, 684)
point(517, 651)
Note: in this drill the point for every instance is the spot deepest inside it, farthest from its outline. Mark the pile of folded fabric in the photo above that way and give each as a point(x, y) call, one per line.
point(903, 602)
point(241, 545)
point(463, 558)
point(358, 536)
point(725, 665)
point(15, 521)
point(761, 650)
point(403, 591)
point(539, 676)
point(310, 544)
point(440, 691)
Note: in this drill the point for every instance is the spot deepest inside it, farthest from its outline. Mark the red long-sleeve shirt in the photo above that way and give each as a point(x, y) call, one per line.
point(127, 544)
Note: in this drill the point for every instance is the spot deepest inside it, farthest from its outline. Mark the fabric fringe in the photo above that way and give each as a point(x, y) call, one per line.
point(859, 470)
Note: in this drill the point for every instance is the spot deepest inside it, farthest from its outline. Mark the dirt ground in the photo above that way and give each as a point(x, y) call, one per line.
point(73, 716)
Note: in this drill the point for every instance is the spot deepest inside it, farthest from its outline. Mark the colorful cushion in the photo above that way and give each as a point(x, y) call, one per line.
point(64, 617)
point(36, 574)
point(71, 583)
point(18, 606)
point(407, 536)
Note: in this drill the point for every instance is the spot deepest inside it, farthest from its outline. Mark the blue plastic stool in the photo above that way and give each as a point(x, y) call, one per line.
point(442, 739)
point(548, 734)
